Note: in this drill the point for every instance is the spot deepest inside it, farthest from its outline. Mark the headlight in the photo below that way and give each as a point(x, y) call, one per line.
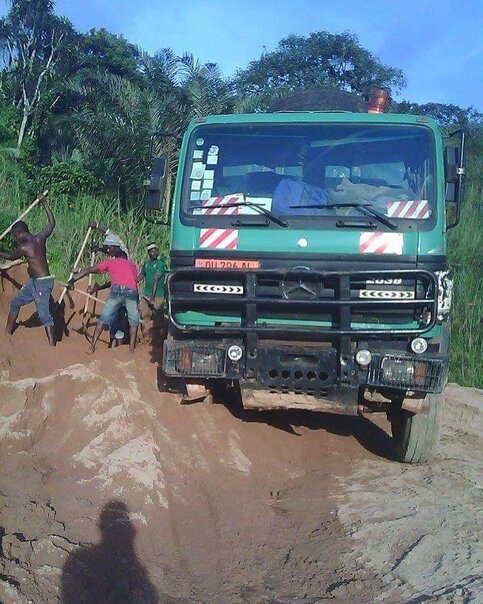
point(409, 373)
point(397, 371)
point(363, 357)
point(195, 360)
point(419, 345)
point(235, 353)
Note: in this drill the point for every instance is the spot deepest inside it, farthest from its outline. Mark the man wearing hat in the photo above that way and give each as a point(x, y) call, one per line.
point(110, 238)
point(153, 273)
point(124, 290)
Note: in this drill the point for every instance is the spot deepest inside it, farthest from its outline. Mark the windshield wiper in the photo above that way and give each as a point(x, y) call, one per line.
point(364, 208)
point(258, 208)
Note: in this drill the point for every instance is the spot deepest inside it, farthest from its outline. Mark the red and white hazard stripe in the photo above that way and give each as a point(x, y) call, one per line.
point(381, 243)
point(220, 239)
point(409, 209)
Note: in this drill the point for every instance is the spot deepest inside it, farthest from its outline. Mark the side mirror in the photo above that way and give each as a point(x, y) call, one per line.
point(451, 163)
point(157, 195)
point(454, 172)
point(156, 184)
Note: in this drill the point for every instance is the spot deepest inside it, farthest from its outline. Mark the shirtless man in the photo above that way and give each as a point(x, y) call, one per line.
point(39, 287)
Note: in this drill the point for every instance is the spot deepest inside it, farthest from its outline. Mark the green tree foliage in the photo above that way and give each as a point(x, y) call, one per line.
point(112, 129)
point(69, 178)
point(205, 90)
point(9, 121)
point(321, 59)
point(96, 52)
point(100, 50)
point(444, 114)
point(116, 117)
point(451, 117)
point(32, 40)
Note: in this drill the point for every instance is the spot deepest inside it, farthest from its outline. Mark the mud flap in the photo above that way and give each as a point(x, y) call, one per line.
point(345, 403)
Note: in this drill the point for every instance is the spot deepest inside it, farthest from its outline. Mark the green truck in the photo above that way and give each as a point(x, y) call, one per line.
point(308, 262)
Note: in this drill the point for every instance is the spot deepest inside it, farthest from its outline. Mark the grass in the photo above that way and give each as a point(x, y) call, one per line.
point(466, 260)
point(465, 253)
point(72, 218)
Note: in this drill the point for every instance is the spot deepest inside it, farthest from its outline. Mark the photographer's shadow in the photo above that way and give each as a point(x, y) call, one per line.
point(110, 572)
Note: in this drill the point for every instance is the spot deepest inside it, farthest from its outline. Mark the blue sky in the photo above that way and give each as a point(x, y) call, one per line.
point(437, 43)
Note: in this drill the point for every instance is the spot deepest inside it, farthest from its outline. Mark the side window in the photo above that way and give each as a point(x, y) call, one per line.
point(391, 174)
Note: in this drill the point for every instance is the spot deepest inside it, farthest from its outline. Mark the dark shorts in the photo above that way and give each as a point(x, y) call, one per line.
point(121, 296)
point(118, 325)
point(38, 291)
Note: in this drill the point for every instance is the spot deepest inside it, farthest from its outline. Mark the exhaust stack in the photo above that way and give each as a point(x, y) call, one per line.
point(378, 102)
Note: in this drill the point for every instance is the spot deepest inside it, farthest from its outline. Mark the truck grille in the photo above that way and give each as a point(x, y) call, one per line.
point(254, 301)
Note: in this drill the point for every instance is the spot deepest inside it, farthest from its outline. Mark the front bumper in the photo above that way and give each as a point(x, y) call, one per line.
point(303, 369)
point(299, 330)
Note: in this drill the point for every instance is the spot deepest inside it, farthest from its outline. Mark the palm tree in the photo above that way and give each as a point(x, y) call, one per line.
point(205, 89)
point(116, 117)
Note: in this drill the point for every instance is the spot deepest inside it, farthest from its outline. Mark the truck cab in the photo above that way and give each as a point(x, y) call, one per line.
point(308, 263)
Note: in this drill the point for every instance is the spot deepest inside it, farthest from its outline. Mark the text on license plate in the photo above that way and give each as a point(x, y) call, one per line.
point(220, 263)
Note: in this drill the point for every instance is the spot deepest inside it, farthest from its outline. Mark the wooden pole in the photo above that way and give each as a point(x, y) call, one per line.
point(10, 263)
point(81, 291)
point(77, 260)
point(86, 305)
point(31, 207)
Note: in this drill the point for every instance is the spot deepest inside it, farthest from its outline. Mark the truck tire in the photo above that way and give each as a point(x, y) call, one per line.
point(417, 435)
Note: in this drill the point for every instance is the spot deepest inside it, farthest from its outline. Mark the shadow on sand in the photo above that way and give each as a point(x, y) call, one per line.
point(110, 572)
point(371, 436)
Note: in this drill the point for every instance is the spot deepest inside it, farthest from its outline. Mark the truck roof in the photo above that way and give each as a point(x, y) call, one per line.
point(297, 117)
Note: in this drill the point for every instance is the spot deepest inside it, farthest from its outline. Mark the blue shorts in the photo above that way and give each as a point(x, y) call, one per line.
point(38, 291)
point(121, 296)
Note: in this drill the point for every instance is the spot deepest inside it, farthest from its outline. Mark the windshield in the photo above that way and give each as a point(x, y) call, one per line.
point(310, 170)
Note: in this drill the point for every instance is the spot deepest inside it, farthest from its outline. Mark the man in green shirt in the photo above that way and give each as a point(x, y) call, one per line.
point(153, 273)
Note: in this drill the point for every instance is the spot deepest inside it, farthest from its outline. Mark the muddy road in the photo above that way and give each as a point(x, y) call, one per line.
point(109, 487)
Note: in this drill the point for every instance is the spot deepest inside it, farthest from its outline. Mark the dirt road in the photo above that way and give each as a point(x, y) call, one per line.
point(110, 487)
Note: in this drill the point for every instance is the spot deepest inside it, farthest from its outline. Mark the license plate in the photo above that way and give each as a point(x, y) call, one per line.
point(233, 264)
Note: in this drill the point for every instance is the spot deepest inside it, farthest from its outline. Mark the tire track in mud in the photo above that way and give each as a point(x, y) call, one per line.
point(420, 527)
point(231, 506)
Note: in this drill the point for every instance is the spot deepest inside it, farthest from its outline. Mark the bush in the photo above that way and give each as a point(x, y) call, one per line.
point(466, 260)
point(7, 217)
point(69, 178)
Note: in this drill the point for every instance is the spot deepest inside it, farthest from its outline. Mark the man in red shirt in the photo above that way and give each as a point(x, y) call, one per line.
point(124, 292)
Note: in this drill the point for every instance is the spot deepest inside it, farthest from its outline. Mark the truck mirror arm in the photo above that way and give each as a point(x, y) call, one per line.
point(457, 177)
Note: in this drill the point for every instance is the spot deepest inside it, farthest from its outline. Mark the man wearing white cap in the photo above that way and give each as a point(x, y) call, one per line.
point(124, 292)
point(110, 237)
point(153, 273)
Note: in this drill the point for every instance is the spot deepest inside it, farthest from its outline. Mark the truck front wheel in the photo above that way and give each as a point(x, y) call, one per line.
point(417, 435)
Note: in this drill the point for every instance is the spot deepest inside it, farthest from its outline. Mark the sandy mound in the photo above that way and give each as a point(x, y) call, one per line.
point(112, 492)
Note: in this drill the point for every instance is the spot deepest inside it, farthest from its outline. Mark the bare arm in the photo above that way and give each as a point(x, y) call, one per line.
point(45, 232)
point(80, 273)
point(18, 253)
point(100, 227)
point(156, 279)
point(141, 275)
